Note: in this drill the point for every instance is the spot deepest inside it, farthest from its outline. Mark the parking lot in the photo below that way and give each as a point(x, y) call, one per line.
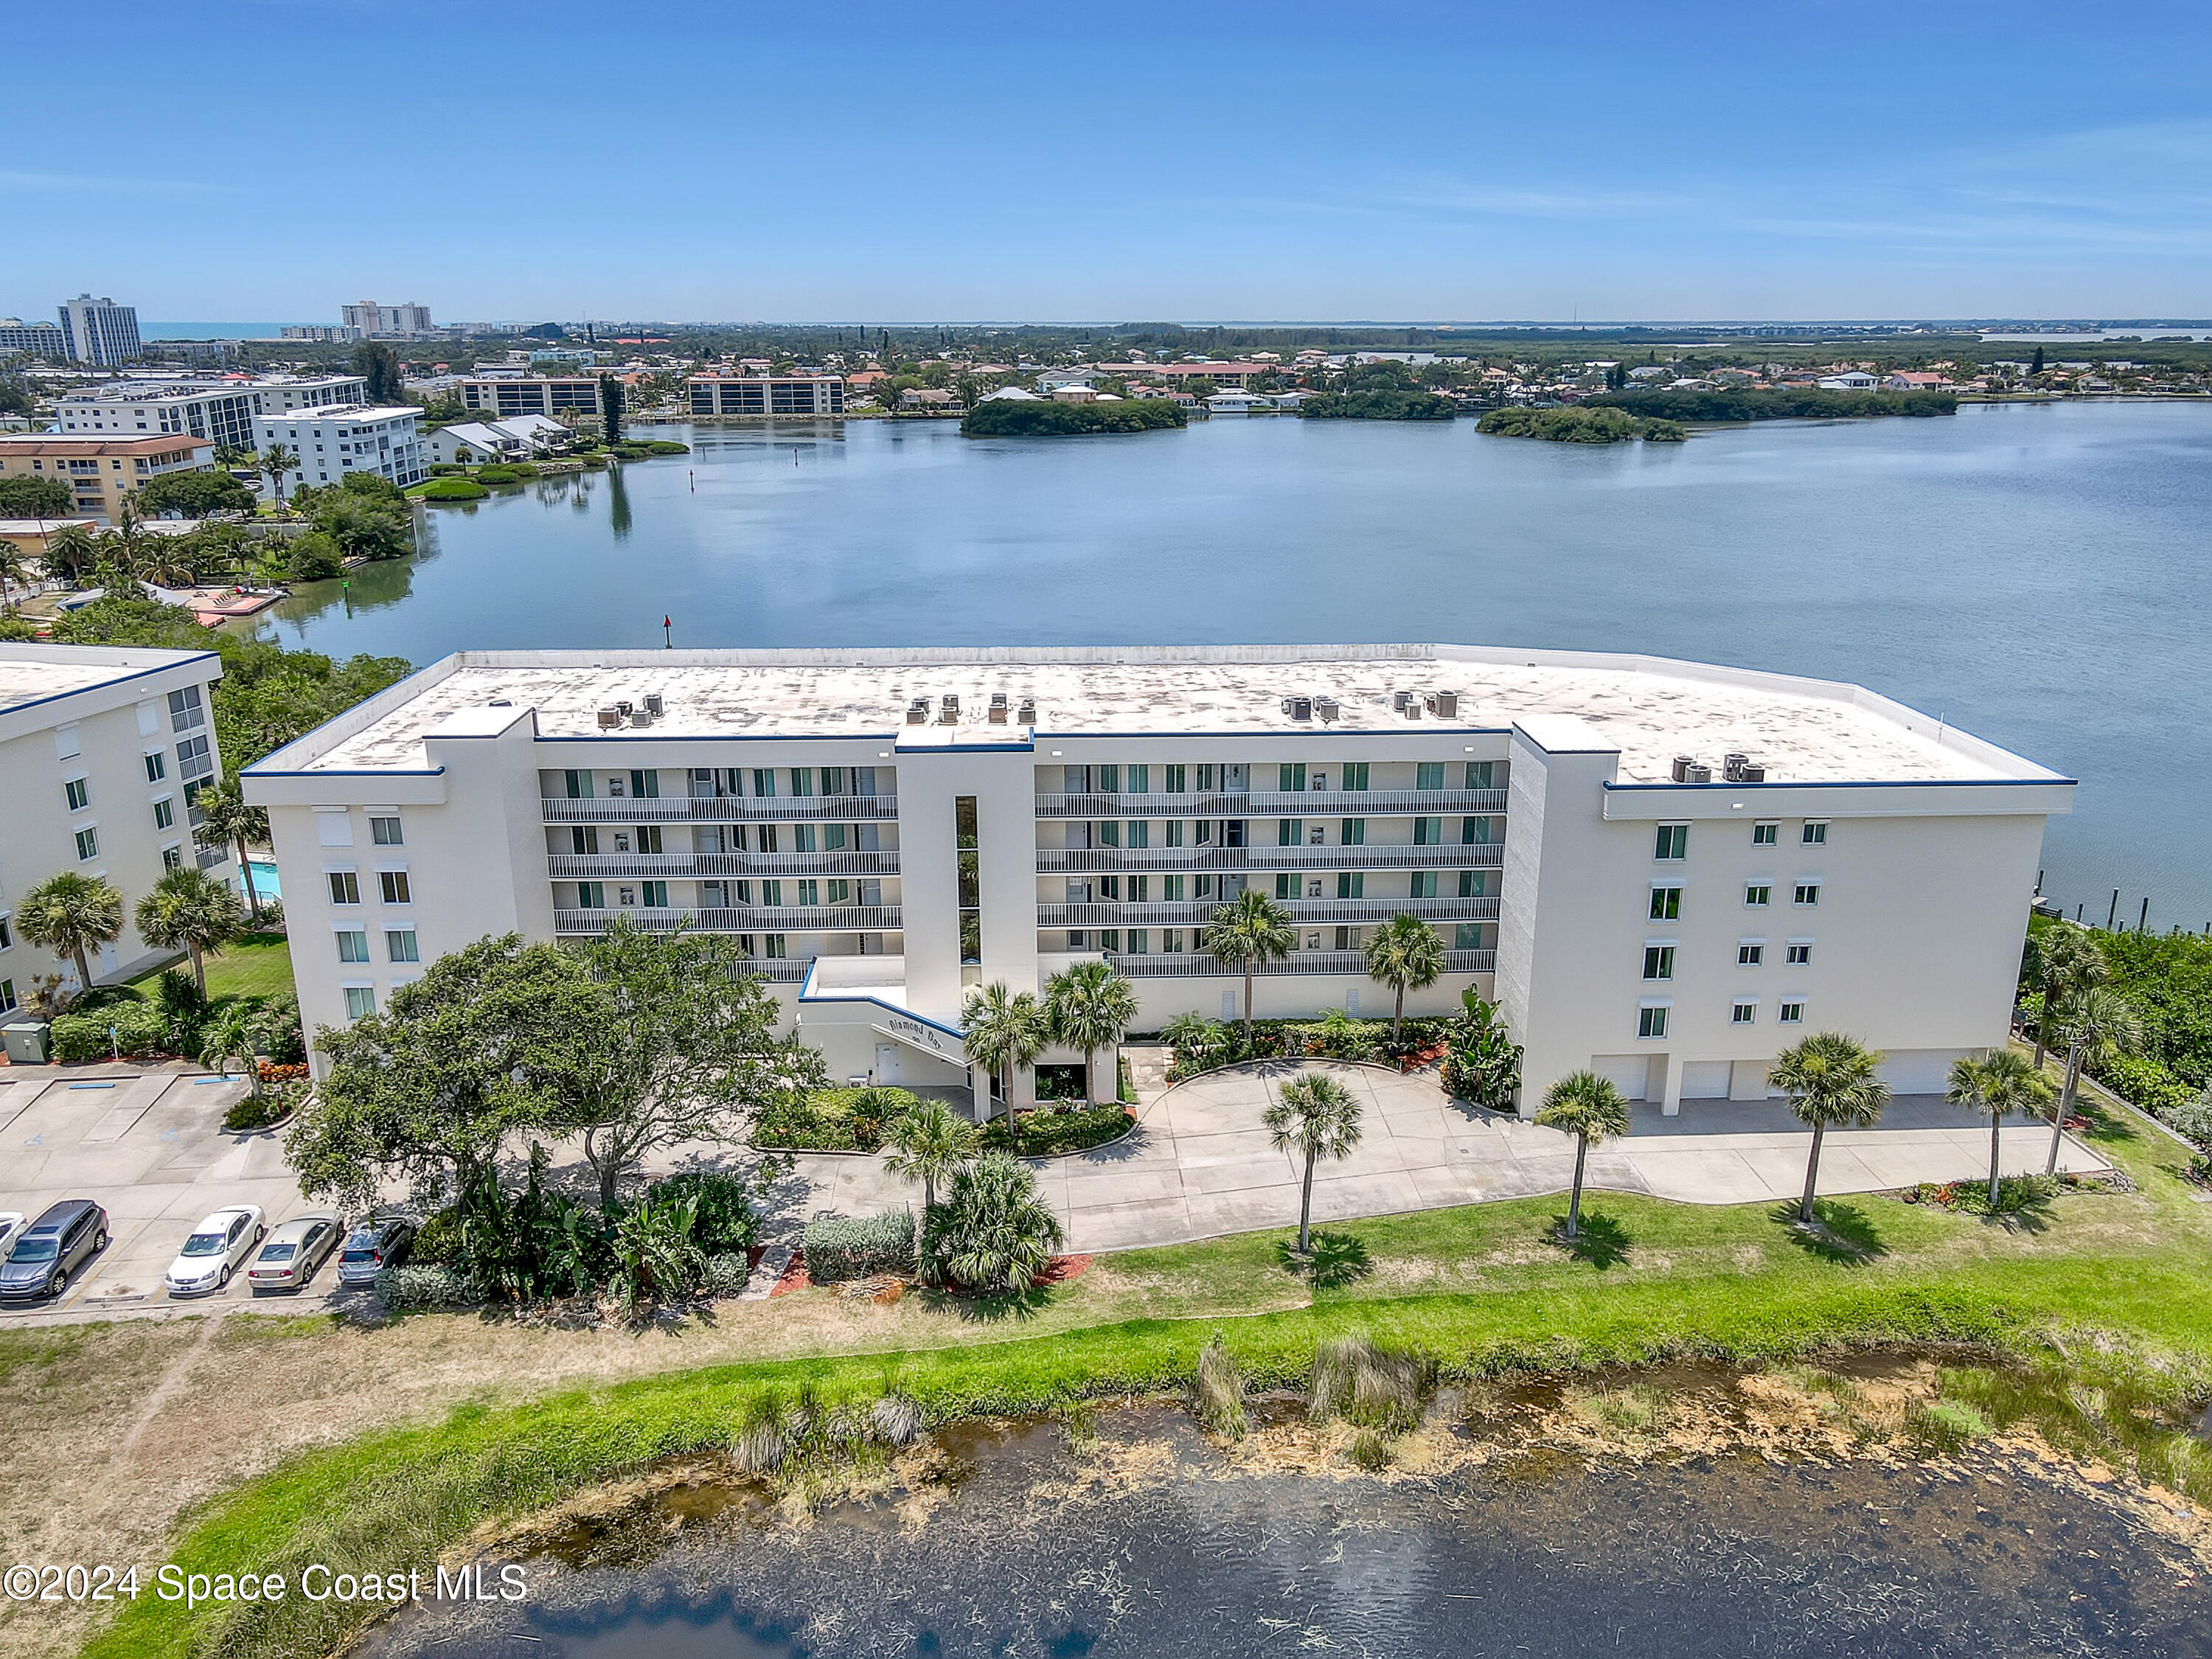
point(149, 1146)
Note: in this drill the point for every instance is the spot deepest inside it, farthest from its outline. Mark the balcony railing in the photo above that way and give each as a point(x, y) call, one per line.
point(1274, 804)
point(720, 809)
point(1199, 964)
point(595, 866)
point(1109, 860)
point(1196, 913)
point(741, 919)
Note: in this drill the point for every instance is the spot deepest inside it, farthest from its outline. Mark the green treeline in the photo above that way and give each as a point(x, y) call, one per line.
point(1577, 425)
point(1009, 419)
point(1776, 404)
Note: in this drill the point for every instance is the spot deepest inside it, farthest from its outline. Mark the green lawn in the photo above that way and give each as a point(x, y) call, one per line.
point(258, 965)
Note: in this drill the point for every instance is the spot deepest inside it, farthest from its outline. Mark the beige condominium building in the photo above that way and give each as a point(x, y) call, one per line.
point(102, 750)
point(101, 472)
point(1662, 870)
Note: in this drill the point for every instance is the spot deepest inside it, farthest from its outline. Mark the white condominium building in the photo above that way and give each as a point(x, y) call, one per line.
point(332, 441)
point(101, 752)
point(221, 411)
point(1662, 870)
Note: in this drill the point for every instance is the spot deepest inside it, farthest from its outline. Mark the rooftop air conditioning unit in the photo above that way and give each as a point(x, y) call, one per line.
point(654, 706)
point(1298, 708)
point(1682, 765)
point(609, 718)
point(1444, 705)
point(917, 712)
point(1325, 709)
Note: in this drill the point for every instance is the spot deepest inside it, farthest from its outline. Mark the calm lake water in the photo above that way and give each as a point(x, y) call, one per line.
point(2041, 575)
point(1037, 1552)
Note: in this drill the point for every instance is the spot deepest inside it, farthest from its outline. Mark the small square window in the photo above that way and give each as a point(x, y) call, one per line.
point(1798, 955)
point(1790, 1013)
point(359, 1000)
point(353, 946)
point(78, 793)
point(1672, 841)
point(1743, 1014)
point(394, 885)
point(1815, 835)
point(1758, 894)
point(1651, 1023)
point(384, 832)
point(87, 845)
point(1764, 835)
point(1809, 892)
point(345, 887)
point(1666, 903)
point(1750, 954)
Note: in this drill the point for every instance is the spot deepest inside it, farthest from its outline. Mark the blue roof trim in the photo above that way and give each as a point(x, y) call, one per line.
point(185, 660)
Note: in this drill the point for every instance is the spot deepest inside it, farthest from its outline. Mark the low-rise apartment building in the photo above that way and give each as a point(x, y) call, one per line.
point(102, 750)
point(767, 396)
point(1662, 870)
point(222, 411)
point(101, 472)
point(330, 443)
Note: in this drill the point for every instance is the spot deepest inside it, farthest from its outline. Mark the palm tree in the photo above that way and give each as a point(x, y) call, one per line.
point(69, 913)
point(1406, 954)
point(1249, 930)
point(2070, 963)
point(930, 1142)
point(1314, 1116)
point(276, 461)
point(1090, 1007)
point(2003, 1080)
point(1831, 1079)
point(190, 911)
point(2097, 1022)
point(226, 821)
point(1005, 1030)
point(1591, 1109)
point(13, 568)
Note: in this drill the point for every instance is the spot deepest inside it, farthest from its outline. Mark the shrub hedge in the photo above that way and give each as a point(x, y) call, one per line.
point(842, 1248)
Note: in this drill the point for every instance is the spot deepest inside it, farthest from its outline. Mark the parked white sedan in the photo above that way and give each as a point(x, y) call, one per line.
point(216, 1246)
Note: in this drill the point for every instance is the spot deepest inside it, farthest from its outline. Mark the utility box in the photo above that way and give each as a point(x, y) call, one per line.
point(25, 1042)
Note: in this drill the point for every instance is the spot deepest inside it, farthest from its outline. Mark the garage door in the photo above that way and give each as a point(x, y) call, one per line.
point(1626, 1072)
point(1706, 1079)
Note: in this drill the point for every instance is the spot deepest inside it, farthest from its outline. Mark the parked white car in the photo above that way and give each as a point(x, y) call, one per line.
point(216, 1246)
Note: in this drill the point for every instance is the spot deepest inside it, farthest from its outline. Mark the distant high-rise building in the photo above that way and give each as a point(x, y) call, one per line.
point(100, 331)
point(403, 322)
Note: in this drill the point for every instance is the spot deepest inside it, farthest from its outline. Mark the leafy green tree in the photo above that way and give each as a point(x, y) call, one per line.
point(377, 363)
point(2097, 1023)
point(190, 911)
point(1832, 1081)
point(29, 497)
point(2002, 1080)
point(1088, 1006)
point(1314, 1116)
point(228, 823)
point(1005, 1030)
point(484, 1047)
point(276, 461)
point(1246, 933)
point(992, 1232)
point(1406, 954)
point(1592, 1110)
point(930, 1142)
point(194, 494)
point(684, 1048)
point(71, 913)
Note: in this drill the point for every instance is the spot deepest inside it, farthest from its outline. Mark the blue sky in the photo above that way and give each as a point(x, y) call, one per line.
point(1200, 159)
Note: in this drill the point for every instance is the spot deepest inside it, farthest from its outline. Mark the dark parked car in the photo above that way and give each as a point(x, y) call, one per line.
point(46, 1253)
point(373, 1247)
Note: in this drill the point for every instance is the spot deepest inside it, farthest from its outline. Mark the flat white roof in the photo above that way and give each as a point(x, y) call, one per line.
point(1653, 709)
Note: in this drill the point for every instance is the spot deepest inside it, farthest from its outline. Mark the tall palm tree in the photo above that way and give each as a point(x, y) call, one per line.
point(1250, 929)
point(276, 461)
point(2096, 1022)
point(2003, 1080)
point(1592, 1110)
point(2070, 963)
point(13, 568)
point(1090, 1007)
point(1313, 1117)
point(190, 911)
point(929, 1142)
point(1005, 1030)
point(1406, 954)
point(226, 821)
point(1832, 1081)
point(72, 912)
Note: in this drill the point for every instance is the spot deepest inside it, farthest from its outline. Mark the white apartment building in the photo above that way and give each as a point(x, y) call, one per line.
point(1662, 870)
point(101, 752)
point(100, 331)
point(333, 441)
point(767, 396)
point(221, 411)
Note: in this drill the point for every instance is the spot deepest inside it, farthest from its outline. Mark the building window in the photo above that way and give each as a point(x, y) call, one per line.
point(399, 945)
point(353, 944)
point(392, 884)
point(968, 873)
point(1758, 894)
point(1750, 953)
point(157, 766)
point(345, 887)
point(78, 793)
point(165, 812)
point(1651, 1023)
point(1809, 892)
point(1672, 841)
point(359, 1000)
point(88, 844)
point(1666, 903)
point(1798, 954)
point(1745, 1012)
point(1815, 835)
point(384, 832)
point(1658, 962)
point(1764, 835)
point(1790, 1013)
point(1428, 775)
